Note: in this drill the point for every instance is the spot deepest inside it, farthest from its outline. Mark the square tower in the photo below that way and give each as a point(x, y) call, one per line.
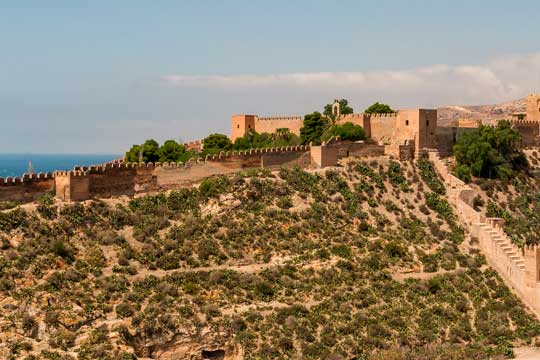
point(418, 126)
point(241, 124)
point(533, 107)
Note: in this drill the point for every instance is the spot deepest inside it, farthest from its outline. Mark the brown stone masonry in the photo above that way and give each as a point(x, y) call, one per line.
point(29, 187)
point(131, 178)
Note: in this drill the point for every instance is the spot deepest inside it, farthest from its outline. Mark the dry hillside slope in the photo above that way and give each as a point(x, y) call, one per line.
point(362, 261)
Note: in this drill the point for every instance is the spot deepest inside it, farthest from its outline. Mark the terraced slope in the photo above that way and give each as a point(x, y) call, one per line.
point(365, 261)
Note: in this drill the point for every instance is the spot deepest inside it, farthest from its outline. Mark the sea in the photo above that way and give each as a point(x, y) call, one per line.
point(17, 164)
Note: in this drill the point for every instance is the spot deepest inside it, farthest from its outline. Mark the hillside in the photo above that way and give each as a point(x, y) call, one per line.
point(486, 113)
point(362, 261)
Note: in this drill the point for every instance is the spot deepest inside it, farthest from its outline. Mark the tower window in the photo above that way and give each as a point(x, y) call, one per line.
point(427, 122)
point(407, 122)
point(249, 126)
point(238, 126)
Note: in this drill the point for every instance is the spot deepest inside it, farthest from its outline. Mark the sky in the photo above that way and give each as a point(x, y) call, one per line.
point(98, 76)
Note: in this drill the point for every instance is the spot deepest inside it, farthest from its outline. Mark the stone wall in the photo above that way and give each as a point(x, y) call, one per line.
point(529, 130)
point(271, 124)
point(329, 153)
point(29, 187)
point(131, 178)
point(519, 268)
point(446, 137)
point(291, 159)
point(241, 124)
point(72, 185)
point(381, 127)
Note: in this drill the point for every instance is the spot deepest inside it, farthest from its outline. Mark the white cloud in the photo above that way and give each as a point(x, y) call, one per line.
point(501, 79)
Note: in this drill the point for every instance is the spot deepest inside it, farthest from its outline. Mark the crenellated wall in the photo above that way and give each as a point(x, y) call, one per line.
point(381, 127)
point(131, 178)
point(520, 268)
point(529, 130)
point(329, 153)
point(28, 187)
point(271, 124)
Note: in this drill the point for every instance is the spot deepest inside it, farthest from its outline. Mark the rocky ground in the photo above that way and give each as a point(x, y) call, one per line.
point(488, 114)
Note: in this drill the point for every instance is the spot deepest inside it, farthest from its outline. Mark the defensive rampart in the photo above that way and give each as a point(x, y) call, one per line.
point(271, 124)
point(131, 178)
point(529, 130)
point(520, 268)
point(28, 187)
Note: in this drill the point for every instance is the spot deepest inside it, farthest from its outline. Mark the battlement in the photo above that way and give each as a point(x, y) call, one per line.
point(70, 173)
point(121, 178)
point(26, 178)
point(524, 123)
point(383, 116)
point(280, 118)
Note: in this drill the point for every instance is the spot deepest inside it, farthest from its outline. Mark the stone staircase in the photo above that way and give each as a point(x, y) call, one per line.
point(518, 267)
point(501, 241)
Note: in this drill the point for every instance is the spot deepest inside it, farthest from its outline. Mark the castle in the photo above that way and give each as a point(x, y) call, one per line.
point(405, 135)
point(417, 127)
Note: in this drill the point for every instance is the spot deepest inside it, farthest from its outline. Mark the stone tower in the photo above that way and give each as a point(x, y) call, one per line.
point(241, 124)
point(533, 107)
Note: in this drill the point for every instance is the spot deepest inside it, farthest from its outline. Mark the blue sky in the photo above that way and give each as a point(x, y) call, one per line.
point(98, 76)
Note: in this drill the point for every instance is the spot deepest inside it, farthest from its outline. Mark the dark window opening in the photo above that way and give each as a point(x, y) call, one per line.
point(213, 354)
point(249, 126)
point(238, 126)
point(427, 122)
point(407, 122)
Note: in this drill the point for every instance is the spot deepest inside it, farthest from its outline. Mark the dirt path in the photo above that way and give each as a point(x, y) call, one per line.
point(420, 275)
point(527, 353)
point(250, 268)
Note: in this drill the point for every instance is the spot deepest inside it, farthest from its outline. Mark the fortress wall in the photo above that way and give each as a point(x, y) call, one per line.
point(519, 268)
point(365, 150)
point(192, 172)
point(113, 181)
point(380, 127)
point(328, 154)
point(286, 159)
point(323, 156)
point(446, 137)
point(72, 185)
point(402, 152)
point(529, 130)
point(26, 188)
point(271, 124)
point(491, 240)
point(356, 119)
point(117, 179)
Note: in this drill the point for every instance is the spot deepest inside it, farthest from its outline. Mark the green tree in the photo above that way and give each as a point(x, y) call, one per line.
point(346, 131)
point(344, 109)
point(284, 137)
point(253, 140)
point(172, 151)
point(379, 108)
point(490, 152)
point(314, 126)
point(150, 151)
point(132, 155)
point(215, 143)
